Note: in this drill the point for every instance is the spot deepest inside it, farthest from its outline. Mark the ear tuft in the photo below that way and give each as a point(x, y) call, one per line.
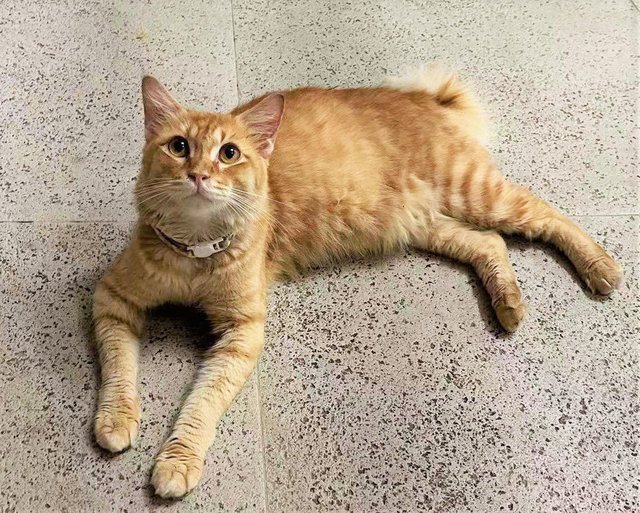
point(159, 105)
point(263, 121)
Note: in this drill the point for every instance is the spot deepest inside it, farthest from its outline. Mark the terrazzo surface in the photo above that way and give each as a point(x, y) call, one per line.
point(385, 385)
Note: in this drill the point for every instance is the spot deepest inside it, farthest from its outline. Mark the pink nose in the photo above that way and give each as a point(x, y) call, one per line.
point(197, 179)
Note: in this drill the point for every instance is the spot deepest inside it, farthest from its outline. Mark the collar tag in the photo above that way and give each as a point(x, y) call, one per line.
point(206, 249)
point(201, 250)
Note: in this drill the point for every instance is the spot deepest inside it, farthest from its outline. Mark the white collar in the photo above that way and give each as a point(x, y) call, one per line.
point(200, 250)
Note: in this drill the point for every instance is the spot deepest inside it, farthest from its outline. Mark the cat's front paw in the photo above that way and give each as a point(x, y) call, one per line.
point(173, 476)
point(116, 426)
point(603, 276)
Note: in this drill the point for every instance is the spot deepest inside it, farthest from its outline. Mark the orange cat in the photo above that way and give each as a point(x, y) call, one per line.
point(228, 202)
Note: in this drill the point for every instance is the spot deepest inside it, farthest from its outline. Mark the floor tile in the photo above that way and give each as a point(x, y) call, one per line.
point(70, 79)
point(49, 378)
point(559, 80)
point(385, 385)
point(388, 386)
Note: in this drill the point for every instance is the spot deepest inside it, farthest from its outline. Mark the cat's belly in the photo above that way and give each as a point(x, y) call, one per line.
point(328, 227)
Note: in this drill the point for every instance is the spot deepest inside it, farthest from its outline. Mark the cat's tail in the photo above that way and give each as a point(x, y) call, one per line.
point(449, 91)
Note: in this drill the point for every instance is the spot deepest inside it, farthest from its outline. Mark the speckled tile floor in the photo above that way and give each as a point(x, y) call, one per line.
point(386, 385)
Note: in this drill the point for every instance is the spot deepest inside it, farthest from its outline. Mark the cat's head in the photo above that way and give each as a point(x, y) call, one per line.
point(202, 171)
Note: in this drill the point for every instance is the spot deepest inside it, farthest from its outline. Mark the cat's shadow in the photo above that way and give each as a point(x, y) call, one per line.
point(194, 322)
point(168, 325)
point(515, 245)
point(521, 245)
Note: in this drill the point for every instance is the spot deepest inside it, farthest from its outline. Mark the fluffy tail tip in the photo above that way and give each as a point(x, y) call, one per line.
point(445, 85)
point(448, 90)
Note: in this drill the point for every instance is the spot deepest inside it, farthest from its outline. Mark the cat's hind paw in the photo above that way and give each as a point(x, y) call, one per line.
point(603, 276)
point(510, 312)
point(173, 478)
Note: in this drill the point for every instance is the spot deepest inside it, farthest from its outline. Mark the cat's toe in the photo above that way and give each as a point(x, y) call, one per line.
point(510, 313)
point(173, 478)
point(603, 276)
point(116, 431)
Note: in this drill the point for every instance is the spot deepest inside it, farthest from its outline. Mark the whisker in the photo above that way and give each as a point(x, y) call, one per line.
point(160, 194)
point(162, 179)
point(246, 193)
point(164, 183)
point(258, 211)
point(152, 188)
point(234, 209)
point(240, 210)
point(153, 191)
point(148, 184)
point(150, 197)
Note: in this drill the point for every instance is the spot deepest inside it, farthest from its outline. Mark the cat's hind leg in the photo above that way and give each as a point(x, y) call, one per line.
point(491, 202)
point(486, 251)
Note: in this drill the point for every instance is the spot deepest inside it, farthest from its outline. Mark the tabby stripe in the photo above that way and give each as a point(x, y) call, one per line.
point(431, 171)
point(465, 187)
point(498, 190)
point(488, 192)
point(520, 208)
point(114, 317)
point(446, 186)
point(231, 350)
point(123, 299)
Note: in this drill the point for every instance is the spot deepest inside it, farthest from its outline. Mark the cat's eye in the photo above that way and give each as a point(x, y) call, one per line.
point(229, 153)
point(179, 147)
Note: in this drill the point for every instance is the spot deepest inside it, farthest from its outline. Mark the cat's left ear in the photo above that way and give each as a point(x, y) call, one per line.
point(159, 106)
point(263, 121)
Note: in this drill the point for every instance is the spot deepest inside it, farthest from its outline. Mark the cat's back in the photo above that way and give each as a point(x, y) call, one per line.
point(316, 116)
point(349, 135)
point(359, 113)
point(343, 163)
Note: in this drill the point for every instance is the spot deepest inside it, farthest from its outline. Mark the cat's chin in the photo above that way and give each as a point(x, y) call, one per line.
point(196, 217)
point(204, 195)
point(203, 207)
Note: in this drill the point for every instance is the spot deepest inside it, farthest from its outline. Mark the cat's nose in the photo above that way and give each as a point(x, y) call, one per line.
point(197, 179)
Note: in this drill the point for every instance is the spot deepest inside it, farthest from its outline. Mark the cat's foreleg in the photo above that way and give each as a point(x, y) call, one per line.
point(224, 370)
point(118, 322)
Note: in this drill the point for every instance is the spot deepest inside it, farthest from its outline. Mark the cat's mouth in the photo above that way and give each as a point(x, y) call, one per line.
point(200, 188)
point(209, 195)
point(205, 195)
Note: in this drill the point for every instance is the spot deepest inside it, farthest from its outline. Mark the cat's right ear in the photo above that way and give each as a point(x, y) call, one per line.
point(159, 105)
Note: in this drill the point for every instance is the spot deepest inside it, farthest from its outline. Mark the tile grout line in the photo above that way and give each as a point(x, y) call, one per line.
point(262, 439)
point(63, 221)
point(635, 5)
point(620, 214)
point(257, 371)
point(235, 52)
point(128, 221)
